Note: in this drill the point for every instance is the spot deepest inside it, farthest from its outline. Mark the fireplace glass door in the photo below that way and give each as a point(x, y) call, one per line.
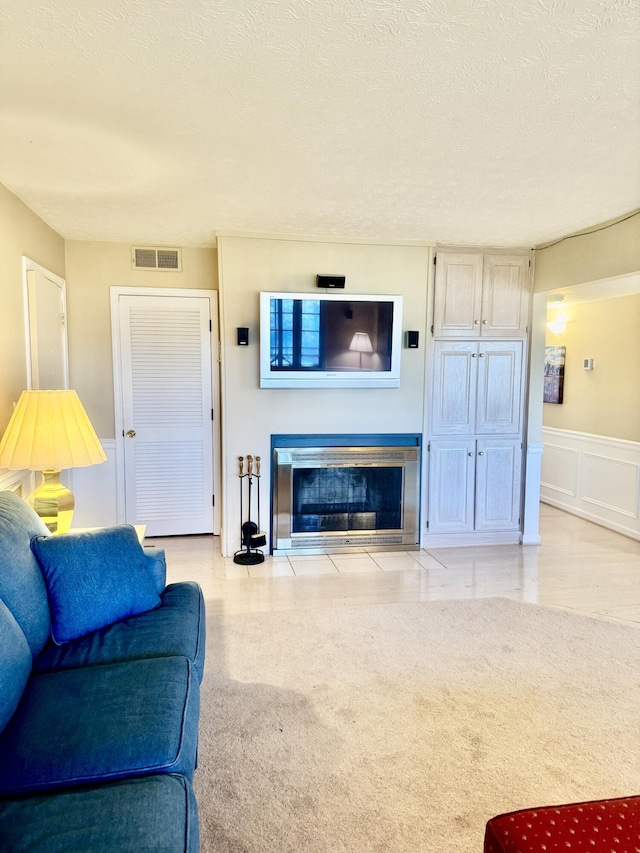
point(342, 498)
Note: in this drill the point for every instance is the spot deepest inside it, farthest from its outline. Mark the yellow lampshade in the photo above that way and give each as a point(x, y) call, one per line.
point(49, 430)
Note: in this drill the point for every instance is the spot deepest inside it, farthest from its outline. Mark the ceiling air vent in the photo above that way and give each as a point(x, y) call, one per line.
point(150, 258)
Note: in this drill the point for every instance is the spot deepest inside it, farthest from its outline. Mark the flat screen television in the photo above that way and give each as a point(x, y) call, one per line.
point(330, 340)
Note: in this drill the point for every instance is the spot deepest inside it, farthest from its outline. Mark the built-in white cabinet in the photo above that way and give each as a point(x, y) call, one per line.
point(474, 485)
point(476, 387)
point(476, 399)
point(481, 295)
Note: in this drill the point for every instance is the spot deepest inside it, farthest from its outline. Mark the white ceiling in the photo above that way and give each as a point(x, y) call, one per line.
point(464, 121)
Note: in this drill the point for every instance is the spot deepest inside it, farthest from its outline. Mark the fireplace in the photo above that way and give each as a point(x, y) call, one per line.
point(336, 493)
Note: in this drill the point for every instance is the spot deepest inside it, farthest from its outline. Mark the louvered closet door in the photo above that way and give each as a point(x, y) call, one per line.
point(167, 413)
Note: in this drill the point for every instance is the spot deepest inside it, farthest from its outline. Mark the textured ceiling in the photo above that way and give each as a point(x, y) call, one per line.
point(464, 121)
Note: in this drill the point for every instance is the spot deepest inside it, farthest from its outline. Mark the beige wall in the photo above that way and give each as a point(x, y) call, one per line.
point(21, 233)
point(603, 253)
point(92, 269)
point(606, 400)
point(251, 414)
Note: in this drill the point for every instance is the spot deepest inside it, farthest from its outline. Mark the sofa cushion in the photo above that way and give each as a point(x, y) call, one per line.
point(80, 726)
point(177, 627)
point(15, 664)
point(157, 564)
point(152, 813)
point(607, 826)
point(22, 586)
point(94, 578)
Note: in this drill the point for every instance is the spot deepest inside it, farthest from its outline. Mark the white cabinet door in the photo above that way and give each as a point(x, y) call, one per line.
point(498, 400)
point(476, 388)
point(454, 384)
point(451, 486)
point(458, 296)
point(474, 485)
point(480, 295)
point(505, 296)
point(498, 467)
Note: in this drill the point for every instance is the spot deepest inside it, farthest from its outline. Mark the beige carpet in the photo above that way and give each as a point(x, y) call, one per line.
point(405, 727)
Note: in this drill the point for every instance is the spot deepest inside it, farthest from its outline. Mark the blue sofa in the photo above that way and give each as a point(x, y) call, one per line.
point(98, 725)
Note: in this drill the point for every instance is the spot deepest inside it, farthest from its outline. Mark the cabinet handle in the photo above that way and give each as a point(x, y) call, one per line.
point(484, 322)
point(476, 322)
point(481, 453)
point(481, 355)
point(474, 355)
point(471, 453)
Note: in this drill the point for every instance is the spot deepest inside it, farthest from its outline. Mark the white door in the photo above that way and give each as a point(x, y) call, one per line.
point(167, 412)
point(46, 329)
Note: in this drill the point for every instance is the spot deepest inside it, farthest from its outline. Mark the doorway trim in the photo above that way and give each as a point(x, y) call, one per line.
point(212, 296)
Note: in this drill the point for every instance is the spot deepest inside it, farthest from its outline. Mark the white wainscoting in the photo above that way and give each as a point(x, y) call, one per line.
point(94, 489)
point(593, 476)
point(19, 482)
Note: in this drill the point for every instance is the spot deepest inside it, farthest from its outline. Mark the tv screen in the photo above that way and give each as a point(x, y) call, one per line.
point(331, 340)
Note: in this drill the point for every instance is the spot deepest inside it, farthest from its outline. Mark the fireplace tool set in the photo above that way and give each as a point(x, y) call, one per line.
point(251, 537)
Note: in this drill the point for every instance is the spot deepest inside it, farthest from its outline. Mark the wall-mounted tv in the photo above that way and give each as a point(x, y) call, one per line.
point(330, 340)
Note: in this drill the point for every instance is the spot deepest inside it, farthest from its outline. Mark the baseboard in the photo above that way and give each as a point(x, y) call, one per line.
point(458, 540)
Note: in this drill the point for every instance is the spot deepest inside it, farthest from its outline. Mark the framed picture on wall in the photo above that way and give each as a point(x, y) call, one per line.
point(554, 374)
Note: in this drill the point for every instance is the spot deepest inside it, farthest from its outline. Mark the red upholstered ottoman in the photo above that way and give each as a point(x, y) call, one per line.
point(599, 826)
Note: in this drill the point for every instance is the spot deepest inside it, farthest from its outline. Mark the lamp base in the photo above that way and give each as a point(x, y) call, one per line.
point(53, 502)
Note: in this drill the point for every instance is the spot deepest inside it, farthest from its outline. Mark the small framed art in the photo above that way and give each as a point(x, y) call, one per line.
point(554, 374)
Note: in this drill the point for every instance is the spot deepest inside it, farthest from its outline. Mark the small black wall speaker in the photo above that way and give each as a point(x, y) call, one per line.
point(330, 280)
point(412, 340)
point(242, 336)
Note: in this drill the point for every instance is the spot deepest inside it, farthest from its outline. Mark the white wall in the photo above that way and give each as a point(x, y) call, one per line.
point(250, 415)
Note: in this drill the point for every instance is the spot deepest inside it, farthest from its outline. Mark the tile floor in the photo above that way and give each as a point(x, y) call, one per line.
point(579, 565)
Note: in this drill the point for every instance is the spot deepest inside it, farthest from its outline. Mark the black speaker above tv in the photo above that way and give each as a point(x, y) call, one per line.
point(330, 280)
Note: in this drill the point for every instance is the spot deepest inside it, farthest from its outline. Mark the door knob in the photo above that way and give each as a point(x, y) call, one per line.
point(131, 433)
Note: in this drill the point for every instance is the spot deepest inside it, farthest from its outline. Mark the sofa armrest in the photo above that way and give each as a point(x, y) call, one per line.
point(157, 565)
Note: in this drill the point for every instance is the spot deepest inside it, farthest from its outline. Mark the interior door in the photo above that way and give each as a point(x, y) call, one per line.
point(46, 329)
point(167, 413)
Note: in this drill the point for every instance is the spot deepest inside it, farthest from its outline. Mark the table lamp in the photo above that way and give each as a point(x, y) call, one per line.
point(49, 431)
point(361, 342)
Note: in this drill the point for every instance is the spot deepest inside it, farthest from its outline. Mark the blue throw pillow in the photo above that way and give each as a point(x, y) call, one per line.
point(94, 578)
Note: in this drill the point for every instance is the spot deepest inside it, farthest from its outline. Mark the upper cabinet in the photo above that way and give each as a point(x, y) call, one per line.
point(481, 295)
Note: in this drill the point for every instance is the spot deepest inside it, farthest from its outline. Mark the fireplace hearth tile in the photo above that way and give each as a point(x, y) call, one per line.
point(427, 561)
point(400, 561)
point(314, 567)
point(351, 563)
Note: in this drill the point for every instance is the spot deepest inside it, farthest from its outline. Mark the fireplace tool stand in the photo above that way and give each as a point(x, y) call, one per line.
point(251, 537)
